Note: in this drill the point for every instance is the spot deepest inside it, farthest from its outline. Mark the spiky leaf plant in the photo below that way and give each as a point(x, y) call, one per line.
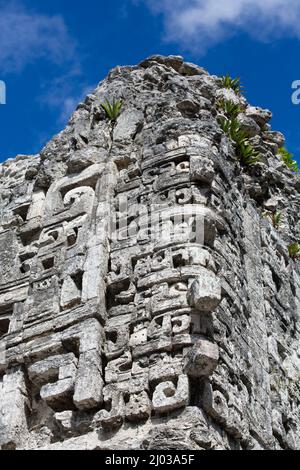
point(276, 218)
point(244, 150)
point(230, 109)
point(287, 158)
point(246, 153)
point(294, 251)
point(231, 83)
point(225, 125)
point(237, 133)
point(112, 109)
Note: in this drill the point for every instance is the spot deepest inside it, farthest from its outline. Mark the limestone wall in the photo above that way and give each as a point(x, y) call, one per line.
point(146, 300)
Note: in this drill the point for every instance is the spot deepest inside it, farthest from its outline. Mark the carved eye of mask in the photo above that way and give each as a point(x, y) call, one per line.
point(183, 167)
point(74, 195)
point(169, 391)
point(180, 286)
point(54, 235)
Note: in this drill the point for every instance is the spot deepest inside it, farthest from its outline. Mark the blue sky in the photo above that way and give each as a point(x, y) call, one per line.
point(53, 52)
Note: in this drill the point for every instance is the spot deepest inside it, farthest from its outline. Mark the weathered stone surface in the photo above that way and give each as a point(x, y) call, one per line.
point(205, 291)
point(128, 125)
point(168, 397)
point(147, 301)
point(249, 125)
point(259, 115)
point(202, 359)
point(202, 169)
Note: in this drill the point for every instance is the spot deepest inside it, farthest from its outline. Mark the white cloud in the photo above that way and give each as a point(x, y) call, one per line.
point(199, 24)
point(26, 36)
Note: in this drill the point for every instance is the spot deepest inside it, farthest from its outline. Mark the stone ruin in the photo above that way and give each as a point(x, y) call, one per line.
point(145, 301)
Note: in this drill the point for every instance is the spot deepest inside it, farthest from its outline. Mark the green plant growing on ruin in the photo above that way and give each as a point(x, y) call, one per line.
point(287, 158)
point(237, 134)
point(112, 109)
point(231, 83)
point(246, 154)
point(294, 251)
point(225, 125)
point(276, 218)
point(231, 109)
point(244, 150)
point(232, 128)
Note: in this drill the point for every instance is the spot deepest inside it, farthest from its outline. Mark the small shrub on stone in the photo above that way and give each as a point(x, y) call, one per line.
point(112, 109)
point(294, 251)
point(230, 109)
point(276, 218)
point(244, 150)
point(231, 83)
point(287, 158)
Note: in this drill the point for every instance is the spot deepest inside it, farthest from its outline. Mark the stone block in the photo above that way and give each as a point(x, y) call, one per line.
point(202, 359)
point(205, 292)
point(202, 169)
